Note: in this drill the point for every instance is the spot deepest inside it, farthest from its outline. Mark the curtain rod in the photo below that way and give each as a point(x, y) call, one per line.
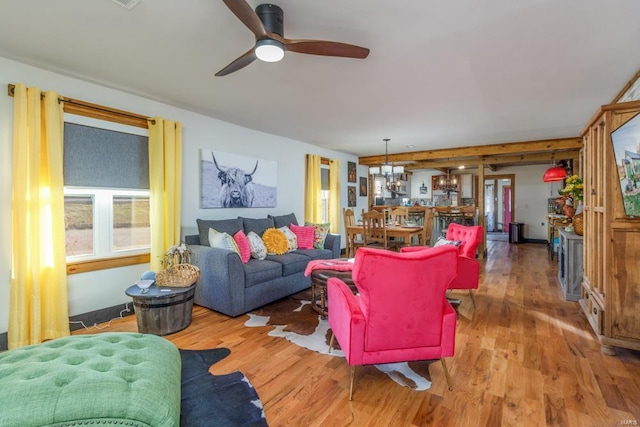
point(83, 108)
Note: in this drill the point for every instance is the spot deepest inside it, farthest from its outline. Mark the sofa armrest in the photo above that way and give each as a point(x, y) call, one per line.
point(332, 242)
point(221, 283)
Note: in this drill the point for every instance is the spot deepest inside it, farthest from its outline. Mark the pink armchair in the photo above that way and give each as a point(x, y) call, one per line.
point(468, 268)
point(401, 313)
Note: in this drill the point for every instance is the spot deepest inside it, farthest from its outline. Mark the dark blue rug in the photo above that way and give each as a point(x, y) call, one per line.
point(216, 400)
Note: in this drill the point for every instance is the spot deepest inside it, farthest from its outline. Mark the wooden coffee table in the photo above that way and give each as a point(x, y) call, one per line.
point(319, 279)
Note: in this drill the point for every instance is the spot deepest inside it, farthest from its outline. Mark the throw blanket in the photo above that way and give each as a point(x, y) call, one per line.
point(329, 264)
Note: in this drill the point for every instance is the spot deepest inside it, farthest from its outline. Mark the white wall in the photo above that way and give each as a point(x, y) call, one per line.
point(95, 290)
point(531, 198)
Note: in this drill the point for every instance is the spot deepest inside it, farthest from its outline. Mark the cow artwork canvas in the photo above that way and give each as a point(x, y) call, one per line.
point(234, 181)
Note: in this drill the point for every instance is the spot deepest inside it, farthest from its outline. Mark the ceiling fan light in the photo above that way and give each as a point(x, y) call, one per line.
point(269, 50)
point(555, 173)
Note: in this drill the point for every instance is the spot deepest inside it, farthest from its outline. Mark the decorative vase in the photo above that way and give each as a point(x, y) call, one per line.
point(578, 224)
point(569, 210)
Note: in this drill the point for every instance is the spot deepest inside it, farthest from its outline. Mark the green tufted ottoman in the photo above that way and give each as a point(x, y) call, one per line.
point(103, 379)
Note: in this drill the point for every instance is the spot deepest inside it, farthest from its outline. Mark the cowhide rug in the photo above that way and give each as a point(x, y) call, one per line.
point(294, 319)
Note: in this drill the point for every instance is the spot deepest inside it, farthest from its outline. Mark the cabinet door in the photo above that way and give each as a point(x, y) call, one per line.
point(624, 297)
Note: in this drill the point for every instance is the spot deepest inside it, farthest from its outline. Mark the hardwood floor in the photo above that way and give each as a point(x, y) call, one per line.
point(524, 357)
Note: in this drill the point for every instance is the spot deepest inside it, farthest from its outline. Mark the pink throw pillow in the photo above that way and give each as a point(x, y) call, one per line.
point(243, 244)
point(305, 235)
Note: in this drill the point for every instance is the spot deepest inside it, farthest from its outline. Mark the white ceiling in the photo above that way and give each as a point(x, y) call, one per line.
point(441, 73)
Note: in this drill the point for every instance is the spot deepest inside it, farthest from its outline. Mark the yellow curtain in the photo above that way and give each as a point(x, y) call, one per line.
point(38, 306)
point(334, 196)
point(165, 185)
point(313, 191)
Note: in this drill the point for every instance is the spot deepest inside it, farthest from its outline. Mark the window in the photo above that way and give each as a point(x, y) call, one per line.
point(106, 176)
point(324, 182)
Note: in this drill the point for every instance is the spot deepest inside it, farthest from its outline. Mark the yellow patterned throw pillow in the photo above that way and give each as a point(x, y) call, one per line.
point(275, 241)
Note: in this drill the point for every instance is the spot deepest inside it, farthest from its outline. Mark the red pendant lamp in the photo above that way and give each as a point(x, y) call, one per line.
point(555, 173)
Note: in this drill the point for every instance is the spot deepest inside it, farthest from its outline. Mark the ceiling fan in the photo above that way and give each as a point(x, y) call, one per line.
point(267, 24)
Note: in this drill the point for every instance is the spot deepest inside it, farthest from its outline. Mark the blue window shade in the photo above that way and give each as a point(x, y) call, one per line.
point(99, 158)
point(324, 178)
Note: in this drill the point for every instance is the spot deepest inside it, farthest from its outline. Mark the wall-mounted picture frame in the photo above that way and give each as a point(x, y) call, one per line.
point(627, 155)
point(351, 196)
point(351, 172)
point(230, 180)
point(424, 189)
point(364, 186)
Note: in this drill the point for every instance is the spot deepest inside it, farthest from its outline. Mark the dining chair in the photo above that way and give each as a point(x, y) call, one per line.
point(374, 225)
point(397, 217)
point(427, 227)
point(354, 240)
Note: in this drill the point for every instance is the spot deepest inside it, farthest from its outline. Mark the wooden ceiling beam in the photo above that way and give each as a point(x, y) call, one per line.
point(492, 162)
point(549, 145)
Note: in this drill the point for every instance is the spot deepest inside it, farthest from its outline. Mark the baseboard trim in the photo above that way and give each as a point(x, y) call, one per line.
point(88, 320)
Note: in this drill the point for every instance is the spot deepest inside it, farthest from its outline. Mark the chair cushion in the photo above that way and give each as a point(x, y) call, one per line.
point(229, 226)
point(442, 241)
point(106, 378)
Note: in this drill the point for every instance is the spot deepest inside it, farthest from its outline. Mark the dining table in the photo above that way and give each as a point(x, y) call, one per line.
point(406, 232)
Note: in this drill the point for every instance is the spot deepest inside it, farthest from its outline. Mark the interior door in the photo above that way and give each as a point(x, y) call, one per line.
point(506, 206)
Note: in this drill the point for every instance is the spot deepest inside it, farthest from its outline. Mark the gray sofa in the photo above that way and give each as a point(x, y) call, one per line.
point(233, 288)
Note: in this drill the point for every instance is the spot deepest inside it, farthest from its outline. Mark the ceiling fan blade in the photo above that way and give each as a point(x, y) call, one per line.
point(247, 16)
point(239, 63)
point(323, 47)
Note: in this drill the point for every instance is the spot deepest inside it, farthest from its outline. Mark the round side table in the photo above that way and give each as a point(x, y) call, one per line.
point(161, 310)
point(319, 287)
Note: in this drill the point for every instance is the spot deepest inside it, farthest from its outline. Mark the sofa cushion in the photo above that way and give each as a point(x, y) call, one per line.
point(275, 241)
point(284, 220)
point(305, 235)
point(243, 245)
point(315, 253)
point(321, 232)
point(229, 226)
point(257, 225)
point(260, 271)
point(292, 239)
point(258, 249)
point(292, 262)
point(222, 241)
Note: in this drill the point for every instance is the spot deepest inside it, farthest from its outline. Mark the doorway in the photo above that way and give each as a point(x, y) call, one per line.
point(499, 201)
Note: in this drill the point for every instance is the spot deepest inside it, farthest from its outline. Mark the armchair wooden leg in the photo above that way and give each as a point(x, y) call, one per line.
point(352, 375)
point(331, 340)
point(446, 374)
point(473, 298)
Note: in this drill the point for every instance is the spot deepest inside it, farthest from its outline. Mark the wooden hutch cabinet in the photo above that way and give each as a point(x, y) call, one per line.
point(610, 296)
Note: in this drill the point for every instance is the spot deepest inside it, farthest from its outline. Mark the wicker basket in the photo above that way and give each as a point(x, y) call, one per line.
point(178, 276)
point(578, 224)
